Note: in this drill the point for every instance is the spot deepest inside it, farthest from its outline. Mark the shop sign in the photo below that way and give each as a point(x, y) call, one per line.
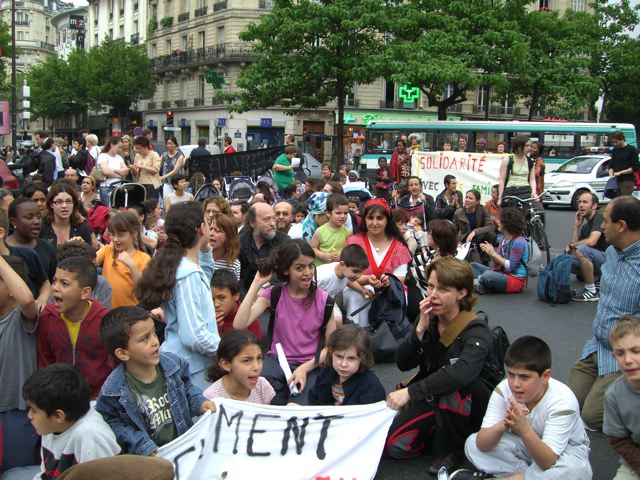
point(366, 118)
point(265, 123)
point(408, 94)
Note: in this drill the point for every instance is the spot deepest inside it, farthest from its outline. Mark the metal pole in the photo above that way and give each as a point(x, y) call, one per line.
point(14, 101)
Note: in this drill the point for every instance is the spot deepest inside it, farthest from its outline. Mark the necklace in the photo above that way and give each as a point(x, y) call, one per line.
point(381, 247)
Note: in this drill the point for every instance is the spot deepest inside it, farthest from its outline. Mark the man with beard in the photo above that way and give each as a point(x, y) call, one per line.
point(587, 246)
point(284, 216)
point(256, 240)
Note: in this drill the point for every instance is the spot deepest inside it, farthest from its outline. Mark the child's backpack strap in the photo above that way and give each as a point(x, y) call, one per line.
point(276, 291)
point(328, 311)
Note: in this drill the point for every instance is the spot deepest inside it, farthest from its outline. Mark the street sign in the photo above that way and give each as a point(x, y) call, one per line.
point(221, 122)
point(171, 129)
point(237, 134)
point(266, 122)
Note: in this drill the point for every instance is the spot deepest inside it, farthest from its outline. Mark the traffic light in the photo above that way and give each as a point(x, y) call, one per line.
point(169, 119)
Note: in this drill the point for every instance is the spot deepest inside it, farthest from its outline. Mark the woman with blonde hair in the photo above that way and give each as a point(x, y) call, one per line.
point(88, 192)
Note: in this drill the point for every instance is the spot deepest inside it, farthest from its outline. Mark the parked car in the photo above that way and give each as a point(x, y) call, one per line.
point(8, 179)
point(586, 173)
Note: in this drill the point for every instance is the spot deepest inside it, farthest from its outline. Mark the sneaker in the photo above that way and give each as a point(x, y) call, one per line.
point(464, 474)
point(586, 296)
point(450, 462)
point(597, 284)
point(480, 289)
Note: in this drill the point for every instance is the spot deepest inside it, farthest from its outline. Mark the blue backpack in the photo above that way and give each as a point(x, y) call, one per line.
point(554, 281)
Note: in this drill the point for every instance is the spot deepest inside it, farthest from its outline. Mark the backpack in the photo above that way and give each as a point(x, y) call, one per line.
point(530, 164)
point(499, 345)
point(91, 163)
point(534, 265)
point(276, 291)
point(554, 281)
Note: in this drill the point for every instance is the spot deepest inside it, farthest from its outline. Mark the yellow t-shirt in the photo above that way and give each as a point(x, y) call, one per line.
point(119, 275)
point(73, 327)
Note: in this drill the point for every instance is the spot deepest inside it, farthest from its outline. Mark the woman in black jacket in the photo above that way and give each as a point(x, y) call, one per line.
point(447, 399)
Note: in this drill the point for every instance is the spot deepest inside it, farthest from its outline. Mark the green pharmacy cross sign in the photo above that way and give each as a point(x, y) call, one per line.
point(215, 78)
point(408, 93)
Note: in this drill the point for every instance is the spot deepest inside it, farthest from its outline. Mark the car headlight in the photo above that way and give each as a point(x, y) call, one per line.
point(562, 184)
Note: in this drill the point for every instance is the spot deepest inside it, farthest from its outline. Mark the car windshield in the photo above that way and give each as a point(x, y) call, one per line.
point(579, 165)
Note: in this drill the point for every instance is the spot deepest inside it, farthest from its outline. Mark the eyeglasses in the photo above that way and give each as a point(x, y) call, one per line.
point(63, 202)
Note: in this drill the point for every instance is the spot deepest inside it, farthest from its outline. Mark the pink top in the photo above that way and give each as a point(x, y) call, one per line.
point(263, 393)
point(297, 324)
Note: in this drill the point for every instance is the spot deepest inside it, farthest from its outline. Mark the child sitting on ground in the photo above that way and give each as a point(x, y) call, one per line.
point(621, 421)
point(59, 409)
point(70, 326)
point(18, 322)
point(532, 427)
point(346, 378)
point(236, 370)
point(225, 290)
point(329, 239)
point(148, 388)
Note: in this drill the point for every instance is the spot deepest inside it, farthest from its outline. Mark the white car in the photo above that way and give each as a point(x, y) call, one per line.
point(586, 173)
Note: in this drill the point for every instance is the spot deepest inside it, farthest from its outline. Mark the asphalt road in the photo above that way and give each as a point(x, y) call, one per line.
point(564, 327)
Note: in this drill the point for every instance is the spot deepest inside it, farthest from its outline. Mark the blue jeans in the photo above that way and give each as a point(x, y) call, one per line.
point(21, 473)
point(489, 279)
point(20, 445)
point(104, 194)
point(595, 256)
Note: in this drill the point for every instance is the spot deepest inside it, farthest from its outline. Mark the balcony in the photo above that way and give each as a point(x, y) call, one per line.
point(200, 12)
point(166, 104)
point(47, 46)
point(352, 102)
point(198, 102)
point(183, 17)
point(479, 109)
point(397, 105)
point(218, 6)
point(151, 106)
point(501, 110)
point(196, 57)
point(265, 4)
point(135, 39)
point(180, 103)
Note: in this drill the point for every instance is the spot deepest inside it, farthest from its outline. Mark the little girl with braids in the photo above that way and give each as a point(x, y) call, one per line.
point(178, 279)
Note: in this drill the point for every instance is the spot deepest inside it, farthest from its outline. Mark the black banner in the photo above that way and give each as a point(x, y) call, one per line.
point(251, 163)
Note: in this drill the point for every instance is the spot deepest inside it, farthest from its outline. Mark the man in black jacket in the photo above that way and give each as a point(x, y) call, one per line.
point(448, 201)
point(624, 162)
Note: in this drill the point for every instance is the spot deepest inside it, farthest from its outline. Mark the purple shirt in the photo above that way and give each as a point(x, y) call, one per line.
point(297, 324)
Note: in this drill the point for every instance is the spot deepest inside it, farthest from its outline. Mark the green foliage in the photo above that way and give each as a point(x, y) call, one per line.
point(460, 43)
point(5, 67)
point(152, 26)
point(118, 74)
point(621, 101)
point(57, 86)
point(310, 53)
point(166, 22)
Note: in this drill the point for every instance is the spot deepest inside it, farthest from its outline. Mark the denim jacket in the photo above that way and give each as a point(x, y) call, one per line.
point(118, 406)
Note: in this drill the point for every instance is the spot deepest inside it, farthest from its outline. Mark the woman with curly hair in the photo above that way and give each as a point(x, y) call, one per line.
point(225, 243)
point(508, 274)
point(214, 205)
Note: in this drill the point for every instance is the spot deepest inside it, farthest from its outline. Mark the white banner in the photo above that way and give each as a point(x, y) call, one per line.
point(245, 440)
point(474, 171)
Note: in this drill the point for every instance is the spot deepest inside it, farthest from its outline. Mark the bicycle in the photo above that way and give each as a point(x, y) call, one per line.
point(534, 228)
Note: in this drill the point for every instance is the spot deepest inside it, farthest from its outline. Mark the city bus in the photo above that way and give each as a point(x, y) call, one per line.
point(561, 140)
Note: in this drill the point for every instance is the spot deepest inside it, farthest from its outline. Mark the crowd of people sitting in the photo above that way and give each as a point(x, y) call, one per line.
point(113, 342)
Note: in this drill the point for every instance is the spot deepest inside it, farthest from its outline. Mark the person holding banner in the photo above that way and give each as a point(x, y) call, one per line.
point(445, 402)
point(400, 167)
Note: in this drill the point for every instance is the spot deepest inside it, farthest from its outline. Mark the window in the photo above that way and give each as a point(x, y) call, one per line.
point(447, 90)
point(135, 27)
point(121, 31)
point(184, 6)
point(183, 43)
point(579, 5)
point(220, 35)
point(21, 35)
point(202, 3)
point(201, 43)
point(167, 46)
point(482, 98)
point(166, 91)
point(350, 100)
point(201, 86)
point(183, 89)
point(169, 8)
point(154, 50)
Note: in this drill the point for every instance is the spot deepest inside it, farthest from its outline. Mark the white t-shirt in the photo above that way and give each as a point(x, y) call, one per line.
point(114, 163)
point(328, 280)
point(87, 439)
point(555, 419)
point(400, 271)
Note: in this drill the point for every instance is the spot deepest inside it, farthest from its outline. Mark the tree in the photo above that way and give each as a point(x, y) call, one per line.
point(117, 75)
point(58, 86)
point(456, 43)
point(623, 89)
point(6, 48)
point(309, 53)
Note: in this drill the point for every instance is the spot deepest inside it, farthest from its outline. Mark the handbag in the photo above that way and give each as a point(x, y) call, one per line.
point(611, 188)
point(97, 175)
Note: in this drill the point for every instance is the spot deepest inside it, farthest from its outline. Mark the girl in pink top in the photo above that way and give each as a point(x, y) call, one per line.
point(236, 370)
point(298, 320)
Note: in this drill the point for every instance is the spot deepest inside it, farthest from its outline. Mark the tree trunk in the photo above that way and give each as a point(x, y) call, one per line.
point(442, 111)
point(340, 123)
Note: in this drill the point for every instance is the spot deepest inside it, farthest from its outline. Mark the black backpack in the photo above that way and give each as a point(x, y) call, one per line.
point(499, 345)
point(530, 164)
point(276, 291)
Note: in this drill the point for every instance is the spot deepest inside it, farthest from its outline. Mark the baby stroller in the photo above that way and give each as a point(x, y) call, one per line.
point(205, 191)
point(358, 191)
point(240, 188)
point(126, 194)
